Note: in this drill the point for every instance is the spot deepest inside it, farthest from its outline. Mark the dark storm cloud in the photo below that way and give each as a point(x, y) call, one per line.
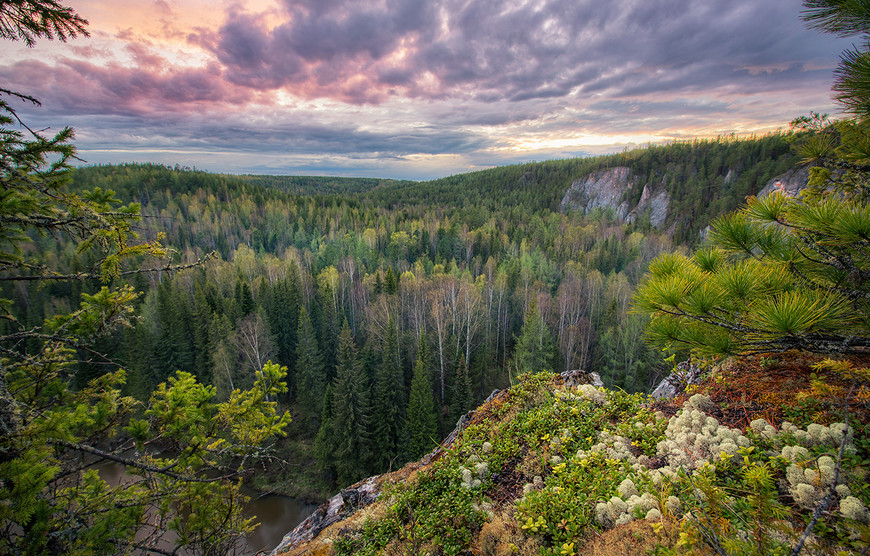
point(237, 133)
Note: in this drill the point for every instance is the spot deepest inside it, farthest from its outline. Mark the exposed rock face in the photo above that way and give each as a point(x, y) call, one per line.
point(657, 203)
point(606, 189)
point(791, 183)
point(685, 374)
point(337, 508)
point(577, 377)
point(602, 189)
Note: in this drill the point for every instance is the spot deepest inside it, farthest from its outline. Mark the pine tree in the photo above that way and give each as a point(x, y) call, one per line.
point(311, 376)
point(422, 419)
point(534, 348)
point(351, 414)
point(389, 404)
point(846, 18)
point(51, 503)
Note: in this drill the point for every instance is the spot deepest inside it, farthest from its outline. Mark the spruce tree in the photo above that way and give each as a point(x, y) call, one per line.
point(462, 396)
point(351, 413)
point(422, 419)
point(328, 330)
point(389, 404)
point(311, 376)
point(282, 310)
point(391, 282)
point(534, 348)
point(324, 447)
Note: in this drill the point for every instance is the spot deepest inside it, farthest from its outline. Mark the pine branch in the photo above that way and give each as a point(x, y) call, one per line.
point(139, 465)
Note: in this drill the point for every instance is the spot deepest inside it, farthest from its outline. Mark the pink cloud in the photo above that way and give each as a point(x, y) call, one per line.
point(153, 87)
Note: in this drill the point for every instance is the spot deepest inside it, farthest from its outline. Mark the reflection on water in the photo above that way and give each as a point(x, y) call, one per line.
point(277, 514)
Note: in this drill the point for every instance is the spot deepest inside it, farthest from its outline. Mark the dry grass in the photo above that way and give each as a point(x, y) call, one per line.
point(636, 538)
point(766, 387)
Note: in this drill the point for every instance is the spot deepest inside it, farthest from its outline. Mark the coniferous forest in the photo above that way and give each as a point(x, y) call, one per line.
point(395, 306)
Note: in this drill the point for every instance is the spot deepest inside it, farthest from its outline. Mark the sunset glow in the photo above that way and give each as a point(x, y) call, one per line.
point(400, 88)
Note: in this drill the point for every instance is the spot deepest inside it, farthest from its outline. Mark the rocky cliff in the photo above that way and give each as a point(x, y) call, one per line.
point(607, 189)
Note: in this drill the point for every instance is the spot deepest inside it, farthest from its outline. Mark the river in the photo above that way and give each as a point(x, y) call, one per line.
point(277, 514)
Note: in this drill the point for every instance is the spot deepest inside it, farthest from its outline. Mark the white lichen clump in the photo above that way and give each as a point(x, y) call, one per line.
point(693, 438)
point(612, 445)
point(591, 393)
point(475, 473)
point(809, 479)
point(536, 484)
point(853, 508)
point(617, 511)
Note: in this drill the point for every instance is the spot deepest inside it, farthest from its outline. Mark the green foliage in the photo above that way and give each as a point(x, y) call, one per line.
point(422, 419)
point(389, 405)
point(534, 347)
point(53, 499)
point(47, 512)
point(351, 414)
point(310, 375)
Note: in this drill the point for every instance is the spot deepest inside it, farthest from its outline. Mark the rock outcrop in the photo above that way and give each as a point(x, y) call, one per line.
point(607, 189)
point(791, 183)
point(685, 374)
point(350, 504)
point(347, 503)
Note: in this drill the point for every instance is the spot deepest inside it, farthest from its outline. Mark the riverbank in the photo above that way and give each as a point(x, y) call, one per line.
point(294, 472)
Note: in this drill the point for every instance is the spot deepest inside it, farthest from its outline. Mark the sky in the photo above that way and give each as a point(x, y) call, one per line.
point(416, 89)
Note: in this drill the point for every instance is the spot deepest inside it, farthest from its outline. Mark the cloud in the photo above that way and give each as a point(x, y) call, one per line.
point(358, 50)
point(384, 84)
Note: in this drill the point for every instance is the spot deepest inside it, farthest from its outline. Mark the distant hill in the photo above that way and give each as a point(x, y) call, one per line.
point(702, 179)
point(680, 187)
point(320, 185)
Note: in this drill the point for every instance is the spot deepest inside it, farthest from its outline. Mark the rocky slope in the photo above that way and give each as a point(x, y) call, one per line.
point(556, 466)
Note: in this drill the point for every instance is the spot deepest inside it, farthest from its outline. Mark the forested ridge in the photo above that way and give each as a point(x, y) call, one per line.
point(447, 289)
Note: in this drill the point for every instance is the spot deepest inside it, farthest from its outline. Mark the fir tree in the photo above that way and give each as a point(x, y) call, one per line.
point(422, 419)
point(351, 413)
point(311, 377)
point(534, 349)
point(324, 447)
point(389, 404)
point(391, 282)
point(462, 396)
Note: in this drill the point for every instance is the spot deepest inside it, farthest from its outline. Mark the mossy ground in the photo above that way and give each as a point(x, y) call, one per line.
point(511, 483)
